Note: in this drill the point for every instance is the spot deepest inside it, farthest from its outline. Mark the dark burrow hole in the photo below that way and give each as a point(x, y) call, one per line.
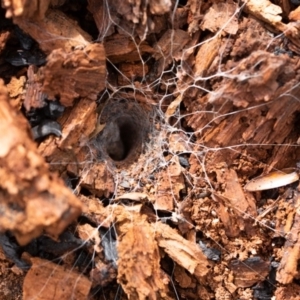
point(127, 136)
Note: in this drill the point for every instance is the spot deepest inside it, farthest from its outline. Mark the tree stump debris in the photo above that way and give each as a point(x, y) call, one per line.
point(163, 111)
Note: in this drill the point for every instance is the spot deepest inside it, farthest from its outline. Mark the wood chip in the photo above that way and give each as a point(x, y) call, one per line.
point(169, 184)
point(185, 253)
point(221, 16)
point(52, 281)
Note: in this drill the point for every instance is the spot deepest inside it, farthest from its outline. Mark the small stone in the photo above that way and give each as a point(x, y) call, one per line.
point(183, 162)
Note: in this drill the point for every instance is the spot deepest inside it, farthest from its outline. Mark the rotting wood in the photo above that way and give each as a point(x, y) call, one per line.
point(259, 92)
point(221, 16)
point(271, 14)
point(290, 291)
point(46, 281)
point(33, 97)
point(139, 270)
point(287, 270)
point(234, 198)
point(78, 123)
point(99, 180)
point(15, 90)
point(102, 16)
point(186, 253)
point(55, 31)
point(295, 14)
point(119, 48)
point(209, 50)
point(230, 221)
point(96, 212)
point(33, 200)
point(169, 184)
point(239, 102)
point(131, 71)
point(70, 75)
point(135, 14)
point(169, 47)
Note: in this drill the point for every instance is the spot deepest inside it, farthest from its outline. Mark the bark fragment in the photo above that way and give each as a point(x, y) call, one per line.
point(32, 200)
point(139, 270)
point(119, 48)
point(221, 16)
point(78, 123)
point(185, 253)
point(34, 97)
point(52, 281)
point(54, 31)
point(98, 180)
point(70, 75)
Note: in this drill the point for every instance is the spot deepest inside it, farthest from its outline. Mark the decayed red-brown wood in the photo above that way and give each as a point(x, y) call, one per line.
point(216, 73)
point(55, 30)
point(96, 212)
point(290, 291)
point(186, 253)
point(34, 97)
point(70, 75)
point(139, 257)
point(32, 200)
point(145, 17)
point(169, 184)
point(46, 280)
point(119, 48)
point(242, 206)
point(287, 270)
point(78, 124)
point(99, 180)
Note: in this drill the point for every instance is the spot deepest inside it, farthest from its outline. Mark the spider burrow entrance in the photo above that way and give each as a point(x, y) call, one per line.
point(125, 131)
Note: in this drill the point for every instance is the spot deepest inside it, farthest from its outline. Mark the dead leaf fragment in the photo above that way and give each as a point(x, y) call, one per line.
point(250, 271)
